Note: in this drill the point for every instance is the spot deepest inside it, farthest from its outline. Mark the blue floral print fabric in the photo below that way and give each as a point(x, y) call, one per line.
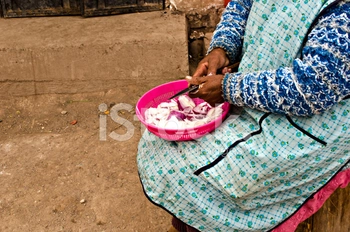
point(301, 86)
point(259, 167)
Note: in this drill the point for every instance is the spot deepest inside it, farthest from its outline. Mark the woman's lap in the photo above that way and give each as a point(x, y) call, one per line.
point(262, 181)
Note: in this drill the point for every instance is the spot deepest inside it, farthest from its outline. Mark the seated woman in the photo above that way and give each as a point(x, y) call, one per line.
point(292, 135)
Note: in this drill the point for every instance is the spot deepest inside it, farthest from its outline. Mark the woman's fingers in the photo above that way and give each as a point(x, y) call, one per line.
point(213, 67)
point(194, 80)
point(200, 81)
point(215, 60)
point(209, 89)
point(226, 70)
point(202, 69)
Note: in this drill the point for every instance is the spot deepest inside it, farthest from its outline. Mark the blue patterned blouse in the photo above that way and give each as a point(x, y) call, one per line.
point(311, 84)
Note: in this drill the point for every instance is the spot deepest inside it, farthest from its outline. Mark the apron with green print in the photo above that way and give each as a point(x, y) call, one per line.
point(257, 168)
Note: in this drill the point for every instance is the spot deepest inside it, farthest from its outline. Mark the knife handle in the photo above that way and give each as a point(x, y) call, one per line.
point(233, 67)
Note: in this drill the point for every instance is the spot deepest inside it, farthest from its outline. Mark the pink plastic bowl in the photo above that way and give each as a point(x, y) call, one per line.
point(161, 94)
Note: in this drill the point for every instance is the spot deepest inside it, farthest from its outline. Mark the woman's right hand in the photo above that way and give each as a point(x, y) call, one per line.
point(210, 64)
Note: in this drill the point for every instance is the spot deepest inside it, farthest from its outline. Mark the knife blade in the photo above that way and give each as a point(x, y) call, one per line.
point(187, 90)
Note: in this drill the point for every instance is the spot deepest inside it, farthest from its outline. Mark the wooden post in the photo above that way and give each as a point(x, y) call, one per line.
point(66, 4)
point(100, 4)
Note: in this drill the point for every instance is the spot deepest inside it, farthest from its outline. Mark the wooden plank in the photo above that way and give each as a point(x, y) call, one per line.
point(112, 7)
point(1, 8)
point(17, 8)
point(334, 215)
point(305, 226)
point(101, 4)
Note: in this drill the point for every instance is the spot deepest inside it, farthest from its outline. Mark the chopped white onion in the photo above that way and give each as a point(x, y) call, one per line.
point(182, 113)
point(186, 102)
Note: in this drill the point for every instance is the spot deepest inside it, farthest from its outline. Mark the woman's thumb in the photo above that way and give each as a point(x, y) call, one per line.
point(192, 80)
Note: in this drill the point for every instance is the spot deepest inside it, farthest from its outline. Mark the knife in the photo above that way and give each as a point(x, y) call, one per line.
point(187, 90)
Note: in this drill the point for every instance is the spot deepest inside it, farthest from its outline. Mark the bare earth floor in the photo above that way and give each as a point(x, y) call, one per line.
point(55, 176)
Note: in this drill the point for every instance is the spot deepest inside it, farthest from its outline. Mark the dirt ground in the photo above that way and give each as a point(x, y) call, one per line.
point(56, 176)
point(58, 170)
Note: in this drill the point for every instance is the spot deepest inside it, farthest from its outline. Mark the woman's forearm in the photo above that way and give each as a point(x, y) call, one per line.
point(229, 32)
point(311, 86)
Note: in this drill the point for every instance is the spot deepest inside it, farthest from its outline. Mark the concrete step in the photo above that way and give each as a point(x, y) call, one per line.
point(46, 55)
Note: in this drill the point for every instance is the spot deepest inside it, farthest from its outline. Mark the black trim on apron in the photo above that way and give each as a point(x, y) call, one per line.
point(224, 154)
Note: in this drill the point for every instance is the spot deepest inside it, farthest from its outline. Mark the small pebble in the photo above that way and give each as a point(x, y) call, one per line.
point(82, 201)
point(63, 112)
point(74, 122)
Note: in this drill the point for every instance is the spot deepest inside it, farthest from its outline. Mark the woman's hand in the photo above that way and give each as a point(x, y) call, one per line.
point(210, 64)
point(205, 76)
point(210, 89)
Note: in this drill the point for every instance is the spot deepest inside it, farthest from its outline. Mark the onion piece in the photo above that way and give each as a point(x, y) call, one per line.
point(202, 108)
point(172, 104)
point(186, 102)
point(177, 114)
